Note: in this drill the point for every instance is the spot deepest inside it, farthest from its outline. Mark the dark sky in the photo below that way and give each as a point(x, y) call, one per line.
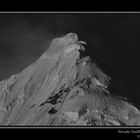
point(113, 40)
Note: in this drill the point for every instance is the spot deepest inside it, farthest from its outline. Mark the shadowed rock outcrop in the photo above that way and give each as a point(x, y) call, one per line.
point(63, 88)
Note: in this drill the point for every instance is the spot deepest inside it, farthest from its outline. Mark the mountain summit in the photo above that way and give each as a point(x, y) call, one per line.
point(62, 88)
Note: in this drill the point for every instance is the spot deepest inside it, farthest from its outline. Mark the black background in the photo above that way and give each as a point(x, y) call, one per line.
point(113, 40)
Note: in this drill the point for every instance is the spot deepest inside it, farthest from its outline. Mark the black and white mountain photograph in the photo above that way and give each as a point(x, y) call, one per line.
point(69, 69)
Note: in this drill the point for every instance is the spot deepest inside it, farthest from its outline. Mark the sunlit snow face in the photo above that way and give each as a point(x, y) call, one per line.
point(64, 44)
point(71, 37)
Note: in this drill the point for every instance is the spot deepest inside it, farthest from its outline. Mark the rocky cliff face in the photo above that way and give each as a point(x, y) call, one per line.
point(63, 88)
